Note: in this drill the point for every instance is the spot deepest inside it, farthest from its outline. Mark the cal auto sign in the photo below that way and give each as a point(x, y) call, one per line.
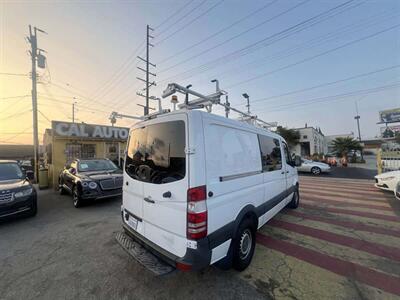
point(90, 131)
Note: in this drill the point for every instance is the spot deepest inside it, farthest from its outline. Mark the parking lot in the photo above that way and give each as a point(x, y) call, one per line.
point(343, 242)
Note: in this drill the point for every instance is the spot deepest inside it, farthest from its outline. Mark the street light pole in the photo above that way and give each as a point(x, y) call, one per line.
point(247, 97)
point(357, 117)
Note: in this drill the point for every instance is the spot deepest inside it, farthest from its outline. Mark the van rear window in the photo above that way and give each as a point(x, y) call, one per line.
point(156, 153)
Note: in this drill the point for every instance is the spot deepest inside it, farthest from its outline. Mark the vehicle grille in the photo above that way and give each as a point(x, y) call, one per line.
point(112, 183)
point(6, 197)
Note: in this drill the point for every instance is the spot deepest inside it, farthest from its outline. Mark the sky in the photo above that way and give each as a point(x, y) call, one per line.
point(306, 61)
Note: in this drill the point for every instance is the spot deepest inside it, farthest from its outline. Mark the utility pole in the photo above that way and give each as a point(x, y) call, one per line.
point(147, 70)
point(36, 56)
point(357, 117)
point(73, 111)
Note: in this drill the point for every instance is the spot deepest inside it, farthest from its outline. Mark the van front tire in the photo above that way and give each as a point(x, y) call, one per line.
point(244, 245)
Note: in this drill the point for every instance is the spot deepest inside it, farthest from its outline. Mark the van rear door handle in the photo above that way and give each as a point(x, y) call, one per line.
point(167, 194)
point(148, 200)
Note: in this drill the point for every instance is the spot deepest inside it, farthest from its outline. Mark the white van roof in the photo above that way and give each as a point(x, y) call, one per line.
point(233, 122)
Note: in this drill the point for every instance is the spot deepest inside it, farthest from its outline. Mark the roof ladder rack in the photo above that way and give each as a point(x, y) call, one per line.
point(213, 99)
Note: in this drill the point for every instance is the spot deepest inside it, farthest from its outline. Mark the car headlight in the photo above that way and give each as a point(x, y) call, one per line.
point(23, 193)
point(85, 183)
point(92, 185)
point(387, 178)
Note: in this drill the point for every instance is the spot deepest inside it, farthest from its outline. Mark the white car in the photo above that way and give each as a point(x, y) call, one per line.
point(397, 191)
point(387, 181)
point(197, 186)
point(313, 167)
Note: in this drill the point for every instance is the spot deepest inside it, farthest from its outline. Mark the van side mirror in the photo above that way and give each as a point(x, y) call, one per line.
point(297, 161)
point(30, 175)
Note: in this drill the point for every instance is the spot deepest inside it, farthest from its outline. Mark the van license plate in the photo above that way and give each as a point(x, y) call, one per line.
point(132, 222)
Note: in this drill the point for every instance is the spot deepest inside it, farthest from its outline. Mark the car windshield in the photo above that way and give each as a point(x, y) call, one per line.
point(96, 165)
point(9, 171)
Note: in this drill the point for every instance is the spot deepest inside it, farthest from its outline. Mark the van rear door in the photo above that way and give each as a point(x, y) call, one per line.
point(162, 170)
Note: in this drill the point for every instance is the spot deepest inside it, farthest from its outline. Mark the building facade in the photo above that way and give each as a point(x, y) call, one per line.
point(66, 141)
point(312, 141)
point(329, 139)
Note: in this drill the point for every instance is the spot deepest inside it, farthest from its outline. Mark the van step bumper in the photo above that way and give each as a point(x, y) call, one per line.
point(142, 255)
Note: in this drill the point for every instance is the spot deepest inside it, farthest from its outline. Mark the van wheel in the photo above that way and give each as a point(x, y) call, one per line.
point(76, 197)
point(315, 170)
point(295, 200)
point(244, 245)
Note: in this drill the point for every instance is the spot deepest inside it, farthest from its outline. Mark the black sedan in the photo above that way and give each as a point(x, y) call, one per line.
point(17, 195)
point(90, 179)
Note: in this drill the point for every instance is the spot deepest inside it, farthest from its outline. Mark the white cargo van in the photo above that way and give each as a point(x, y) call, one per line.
point(197, 186)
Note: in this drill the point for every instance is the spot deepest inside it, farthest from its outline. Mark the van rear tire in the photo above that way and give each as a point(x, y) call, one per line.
point(295, 199)
point(244, 245)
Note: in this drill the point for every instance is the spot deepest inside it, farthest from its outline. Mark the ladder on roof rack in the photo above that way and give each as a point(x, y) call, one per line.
point(214, 99)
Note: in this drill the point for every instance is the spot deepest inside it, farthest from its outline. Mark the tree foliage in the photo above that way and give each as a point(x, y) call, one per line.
point(291, 136)
point(342, 145)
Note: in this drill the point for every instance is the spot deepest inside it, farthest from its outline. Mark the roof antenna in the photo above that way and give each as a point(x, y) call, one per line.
point(187, 95)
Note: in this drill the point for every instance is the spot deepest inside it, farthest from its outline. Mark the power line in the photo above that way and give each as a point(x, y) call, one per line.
point(43, 115)
point(316, 56)
point(190, 22)
point(326, 84)
point(173, 14)
point(258, 10)
point(182, 18)
point(13, 74)
point(310, 44)
point(16, 114)
point(13, 97)
point(122, 71)
point(327, 14)
point(236, 36)
point(16, 135)
point(337, 96)
point(81, 107)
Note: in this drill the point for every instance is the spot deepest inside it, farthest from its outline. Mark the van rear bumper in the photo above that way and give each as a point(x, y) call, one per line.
point(194, 259)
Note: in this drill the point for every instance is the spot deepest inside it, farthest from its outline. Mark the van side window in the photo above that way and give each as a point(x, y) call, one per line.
point(287, 154)
point(271, 157)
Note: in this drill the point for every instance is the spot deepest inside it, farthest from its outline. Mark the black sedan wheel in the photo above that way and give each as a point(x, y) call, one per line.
point(78, 202)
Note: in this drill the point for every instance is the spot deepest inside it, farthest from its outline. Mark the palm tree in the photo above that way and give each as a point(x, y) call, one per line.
point(342, 145)
point(291, 136)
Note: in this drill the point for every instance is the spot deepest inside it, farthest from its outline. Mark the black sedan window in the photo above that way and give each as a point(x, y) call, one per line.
point(10, 171)
point(96, 165)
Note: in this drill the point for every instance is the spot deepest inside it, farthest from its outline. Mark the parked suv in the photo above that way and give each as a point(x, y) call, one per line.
point(17, 194)
point(197, 186)
point(90, 179)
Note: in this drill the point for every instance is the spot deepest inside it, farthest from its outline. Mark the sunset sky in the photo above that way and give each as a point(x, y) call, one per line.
point(310, 73)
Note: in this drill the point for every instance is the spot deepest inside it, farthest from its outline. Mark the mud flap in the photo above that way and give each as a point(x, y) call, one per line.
point(142, 255)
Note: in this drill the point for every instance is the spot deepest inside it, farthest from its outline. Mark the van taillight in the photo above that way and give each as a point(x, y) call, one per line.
point(196, 213)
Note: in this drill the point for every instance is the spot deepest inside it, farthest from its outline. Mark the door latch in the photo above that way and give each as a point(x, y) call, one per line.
point(148, 199)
